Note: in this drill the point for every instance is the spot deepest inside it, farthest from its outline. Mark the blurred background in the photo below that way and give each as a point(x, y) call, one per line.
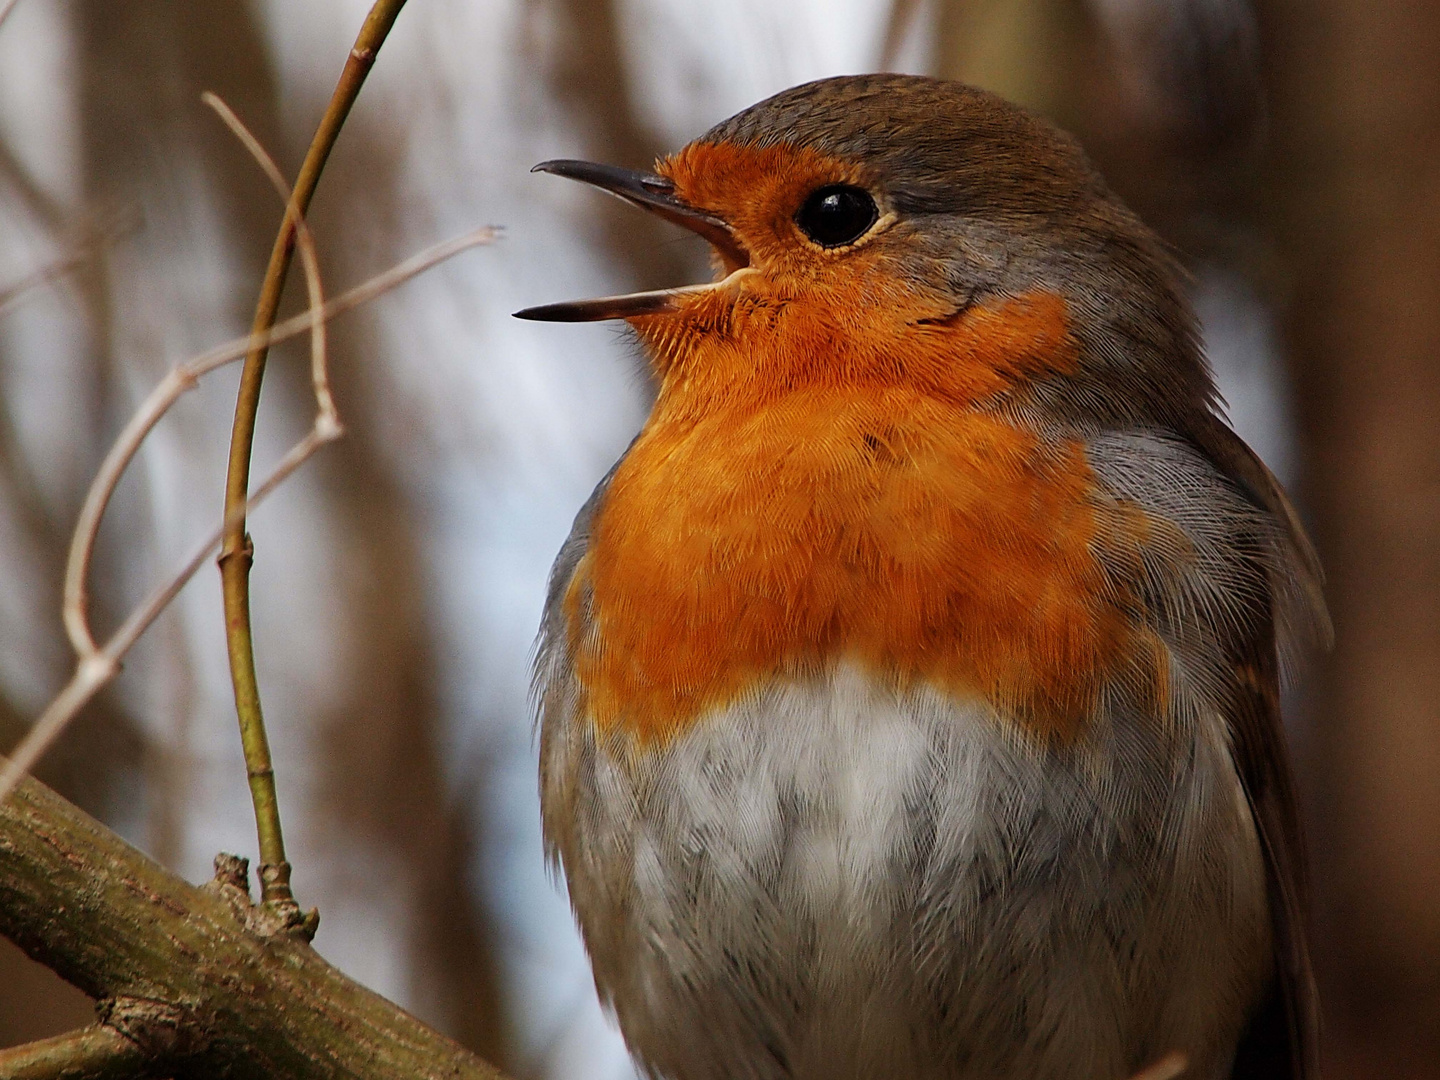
point(1290, 149)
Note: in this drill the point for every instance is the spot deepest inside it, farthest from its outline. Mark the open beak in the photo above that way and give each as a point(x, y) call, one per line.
point(657, 195)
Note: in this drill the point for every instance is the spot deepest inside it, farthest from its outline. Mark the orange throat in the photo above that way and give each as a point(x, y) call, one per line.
point(788, 507)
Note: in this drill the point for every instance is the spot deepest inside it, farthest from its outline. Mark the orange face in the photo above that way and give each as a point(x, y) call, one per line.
point(820, 482)
point(845, 317)
point(758, 191)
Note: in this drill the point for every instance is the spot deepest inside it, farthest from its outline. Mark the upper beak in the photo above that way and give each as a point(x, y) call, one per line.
point(657, 195)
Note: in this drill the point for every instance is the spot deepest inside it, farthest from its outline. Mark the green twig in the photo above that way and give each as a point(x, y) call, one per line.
point(236, 551)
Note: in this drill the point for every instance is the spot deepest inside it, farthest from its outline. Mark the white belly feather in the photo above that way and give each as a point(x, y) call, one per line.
point(838, 880)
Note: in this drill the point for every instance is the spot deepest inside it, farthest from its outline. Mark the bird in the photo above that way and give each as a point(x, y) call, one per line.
point(908, 691)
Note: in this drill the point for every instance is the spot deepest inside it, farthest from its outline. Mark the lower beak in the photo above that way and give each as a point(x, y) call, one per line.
point(657, 195)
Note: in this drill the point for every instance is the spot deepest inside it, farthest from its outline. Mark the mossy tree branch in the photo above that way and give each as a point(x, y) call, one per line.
point(198, 981)
point(97, 1052)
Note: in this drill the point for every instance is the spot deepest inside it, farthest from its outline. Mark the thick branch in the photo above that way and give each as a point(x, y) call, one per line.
point(97, 1052)
point(196, 976)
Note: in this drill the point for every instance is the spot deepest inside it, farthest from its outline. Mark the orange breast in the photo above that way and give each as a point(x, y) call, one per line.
point(778, 527)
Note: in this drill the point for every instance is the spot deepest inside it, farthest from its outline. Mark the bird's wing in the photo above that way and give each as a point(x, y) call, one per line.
point(1283, 1039)
point(1229, 581)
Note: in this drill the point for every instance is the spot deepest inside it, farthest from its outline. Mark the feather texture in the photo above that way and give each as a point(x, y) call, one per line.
point(909, 693)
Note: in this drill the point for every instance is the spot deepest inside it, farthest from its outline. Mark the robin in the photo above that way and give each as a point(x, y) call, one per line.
point(908, 690)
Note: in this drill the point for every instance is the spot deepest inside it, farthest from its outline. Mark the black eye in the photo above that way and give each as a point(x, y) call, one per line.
point(837, 214)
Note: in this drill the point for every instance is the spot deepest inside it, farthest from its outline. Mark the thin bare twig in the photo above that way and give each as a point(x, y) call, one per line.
point(46, 274)
point(236, 553)
point(42, 206)
point(319, 362)
point(259, 769)
point(5, 10)
point(93, 237)
point(98, 666)
point(33, 513)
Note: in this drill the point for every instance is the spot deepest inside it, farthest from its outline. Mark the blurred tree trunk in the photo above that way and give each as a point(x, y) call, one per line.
point(149, 146)
point(1356, 209)
point(385, 776)
point(588, 77)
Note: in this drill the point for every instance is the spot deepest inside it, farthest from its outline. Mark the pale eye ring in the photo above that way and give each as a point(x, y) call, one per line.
point(837, 214)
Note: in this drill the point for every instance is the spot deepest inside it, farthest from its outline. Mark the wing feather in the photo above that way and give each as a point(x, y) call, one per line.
point(1235, 587)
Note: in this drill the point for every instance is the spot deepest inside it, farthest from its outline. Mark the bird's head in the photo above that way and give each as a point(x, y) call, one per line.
point(898, 228)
